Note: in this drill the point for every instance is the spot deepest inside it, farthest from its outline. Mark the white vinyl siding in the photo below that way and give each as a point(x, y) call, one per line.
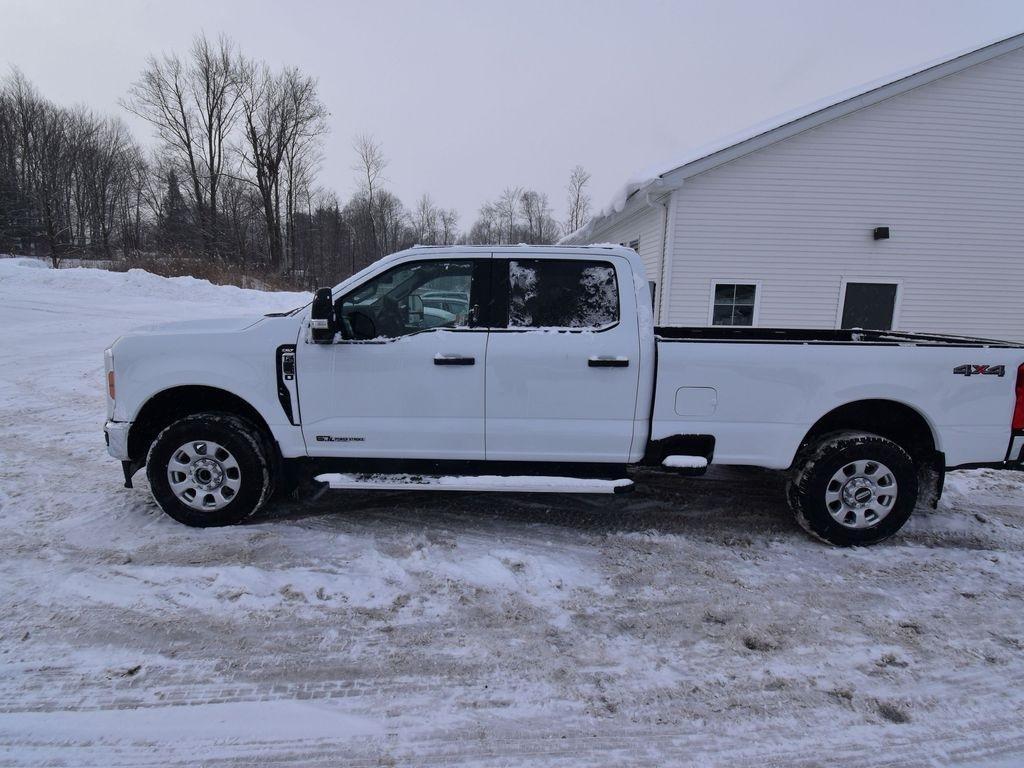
point(941, 165)
point(646, 225)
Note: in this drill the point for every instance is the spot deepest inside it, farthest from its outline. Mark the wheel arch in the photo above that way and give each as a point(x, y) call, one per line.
point(897, 421)
point(173, 403)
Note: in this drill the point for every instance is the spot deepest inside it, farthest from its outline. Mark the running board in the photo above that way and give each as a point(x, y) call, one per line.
point(479, 483)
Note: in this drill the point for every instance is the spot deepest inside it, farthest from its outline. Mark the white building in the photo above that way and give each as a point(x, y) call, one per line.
point(777, 227)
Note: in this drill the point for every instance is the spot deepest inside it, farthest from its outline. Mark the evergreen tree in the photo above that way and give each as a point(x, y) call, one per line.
point(173, 228)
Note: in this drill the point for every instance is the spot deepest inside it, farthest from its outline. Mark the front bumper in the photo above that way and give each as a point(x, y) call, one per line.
point(117, 438)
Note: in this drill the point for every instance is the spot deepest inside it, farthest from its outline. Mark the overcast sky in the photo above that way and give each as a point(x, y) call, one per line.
point(469, 97)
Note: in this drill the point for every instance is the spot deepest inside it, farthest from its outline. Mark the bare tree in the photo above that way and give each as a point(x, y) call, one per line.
point(279, 111)
point(424, 221)
point(47, 139)
point(578, 200)
point(370, 167)
point(301, 160)
point(487, 228)
point(448, 226)
point(538, 225)
point(507, 212)
point(394, 232)
point(193, 105)
point(106, 171)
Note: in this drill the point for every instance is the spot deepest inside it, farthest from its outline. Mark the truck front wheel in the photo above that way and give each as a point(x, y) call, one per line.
point(209, 469)
point(853, 488)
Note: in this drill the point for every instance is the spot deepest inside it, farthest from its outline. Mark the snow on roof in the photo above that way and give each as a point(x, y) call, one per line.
point(653, 175)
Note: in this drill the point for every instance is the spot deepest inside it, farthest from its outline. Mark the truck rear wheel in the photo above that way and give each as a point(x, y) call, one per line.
point(209, 469)
point(853, 488)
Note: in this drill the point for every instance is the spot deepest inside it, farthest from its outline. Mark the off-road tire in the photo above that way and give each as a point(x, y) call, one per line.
point(817, 464)
point(246, 444)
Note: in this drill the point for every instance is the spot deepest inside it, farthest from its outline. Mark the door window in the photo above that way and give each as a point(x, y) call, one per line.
point(551, 293)
point(869, 306)
point(408, 299)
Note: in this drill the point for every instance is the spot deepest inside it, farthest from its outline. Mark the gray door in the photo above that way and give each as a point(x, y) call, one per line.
point(869, 306)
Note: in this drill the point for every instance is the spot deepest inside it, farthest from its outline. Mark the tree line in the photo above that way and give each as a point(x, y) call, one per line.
point(230, 186)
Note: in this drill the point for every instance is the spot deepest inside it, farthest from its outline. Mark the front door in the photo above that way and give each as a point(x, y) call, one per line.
point(562, 360)
point(407, 381)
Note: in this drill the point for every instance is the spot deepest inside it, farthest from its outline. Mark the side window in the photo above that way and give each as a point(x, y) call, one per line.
point(549, 293)
point(408, 299)
point(733, 304)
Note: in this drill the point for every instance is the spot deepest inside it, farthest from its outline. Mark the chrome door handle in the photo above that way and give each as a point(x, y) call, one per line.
point(608, 361)
point(440, 359)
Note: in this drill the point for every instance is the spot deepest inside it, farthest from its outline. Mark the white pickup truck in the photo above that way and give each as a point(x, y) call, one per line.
point(540, 369)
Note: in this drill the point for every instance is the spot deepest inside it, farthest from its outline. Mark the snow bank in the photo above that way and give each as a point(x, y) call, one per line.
point(26, 274)
point(23, 261)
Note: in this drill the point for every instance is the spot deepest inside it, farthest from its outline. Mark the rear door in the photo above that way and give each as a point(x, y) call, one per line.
point(562, 359)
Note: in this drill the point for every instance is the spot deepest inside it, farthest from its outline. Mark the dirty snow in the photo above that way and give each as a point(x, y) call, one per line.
point(687, 623)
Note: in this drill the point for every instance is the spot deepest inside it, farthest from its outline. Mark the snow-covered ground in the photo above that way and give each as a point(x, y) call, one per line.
point(688, 623)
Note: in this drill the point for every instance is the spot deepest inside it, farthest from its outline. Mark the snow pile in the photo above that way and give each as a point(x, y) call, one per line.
point(138, 284)
point(23, 261)
point(685, 462)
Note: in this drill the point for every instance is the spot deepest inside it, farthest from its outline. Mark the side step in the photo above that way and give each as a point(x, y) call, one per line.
point(479, 483)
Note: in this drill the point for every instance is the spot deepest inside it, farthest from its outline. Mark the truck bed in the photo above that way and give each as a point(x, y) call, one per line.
point(746, 335)
point(759, 391)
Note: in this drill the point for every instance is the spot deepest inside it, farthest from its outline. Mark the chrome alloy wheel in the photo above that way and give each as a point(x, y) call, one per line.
point(861, 494)
point(204, 475)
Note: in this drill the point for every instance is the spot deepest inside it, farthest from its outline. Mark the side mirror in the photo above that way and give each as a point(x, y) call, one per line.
point(322, 323)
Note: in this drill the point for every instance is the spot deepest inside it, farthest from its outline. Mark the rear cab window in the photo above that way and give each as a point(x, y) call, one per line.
point(560, 293)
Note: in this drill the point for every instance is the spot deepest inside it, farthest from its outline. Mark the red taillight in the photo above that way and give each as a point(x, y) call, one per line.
point(1018, 409)
point(110, 389)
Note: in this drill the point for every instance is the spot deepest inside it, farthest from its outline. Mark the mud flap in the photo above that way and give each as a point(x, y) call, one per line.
point(931, 478)
point(130, 468)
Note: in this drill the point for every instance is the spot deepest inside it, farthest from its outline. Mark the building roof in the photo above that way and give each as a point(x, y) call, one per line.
point(668, 176)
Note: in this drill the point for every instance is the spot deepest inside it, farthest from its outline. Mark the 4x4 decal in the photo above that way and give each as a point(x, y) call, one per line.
point(980, 370)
